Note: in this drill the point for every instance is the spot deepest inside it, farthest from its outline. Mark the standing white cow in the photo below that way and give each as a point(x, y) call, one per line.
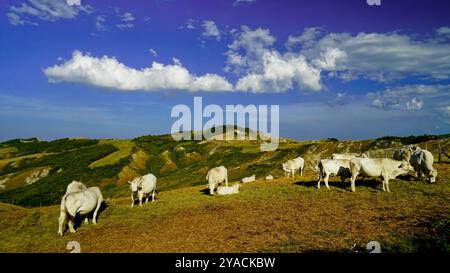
point(215, 177)
point(81, 202)
point(337, 167)
point(75, 186)
point(225, 190)
point(143, 185)
point(385, 168)
point(248, 179)
point(269, 177)
point(348, 156)
point(292, 165)
point(422, 161)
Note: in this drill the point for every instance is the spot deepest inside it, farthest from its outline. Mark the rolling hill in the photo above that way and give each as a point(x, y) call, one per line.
point(283, 215)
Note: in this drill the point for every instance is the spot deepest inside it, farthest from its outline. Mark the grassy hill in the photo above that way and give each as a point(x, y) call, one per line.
point(283, 215)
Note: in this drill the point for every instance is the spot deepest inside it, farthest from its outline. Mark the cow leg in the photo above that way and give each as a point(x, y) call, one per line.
point(386, 184)
point(226, 180)
point(301, 172)
point(352, 181)
point(146, 200)
point(326, 180)
point(99, 204)
point(86, 220)
point(132, 200)
point(320, 180)
point(62, 219)
point(141, 195)
point(153, 195)
point(71, 223)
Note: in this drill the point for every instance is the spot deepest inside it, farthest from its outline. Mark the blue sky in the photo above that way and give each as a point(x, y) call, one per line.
point(115, 69)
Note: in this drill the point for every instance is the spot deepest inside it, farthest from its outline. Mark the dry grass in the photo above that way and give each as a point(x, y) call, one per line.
point(283, 215)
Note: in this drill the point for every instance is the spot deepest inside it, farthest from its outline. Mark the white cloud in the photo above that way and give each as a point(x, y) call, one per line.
point(109, 73)
point(264, 69)
point(211, 29)
point(100, 23)
point(281, 73)
point(383, 57)
point(46, 10)
point(305, 40)
point(243, 2)
point(412, 97)
point(414, 104)
point(127, 20)
point(153, 52)
point(443, 31)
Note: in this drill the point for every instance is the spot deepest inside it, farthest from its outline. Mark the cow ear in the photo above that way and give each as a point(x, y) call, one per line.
point(129, 182)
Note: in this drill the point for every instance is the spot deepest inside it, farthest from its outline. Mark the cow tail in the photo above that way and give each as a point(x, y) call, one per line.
point(320, 169)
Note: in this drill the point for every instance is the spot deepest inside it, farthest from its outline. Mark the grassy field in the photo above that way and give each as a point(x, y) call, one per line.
point(125, 148)
point(283, 215)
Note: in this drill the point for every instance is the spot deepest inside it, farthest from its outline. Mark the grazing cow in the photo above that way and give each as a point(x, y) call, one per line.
point(75, 186)
point(292, 165)
point(248, 179)
point(422, 161)
point(385, 168)
point(348, 156)
point(81, 202)
point(337, 167)
point(225, 190)
point(215, 177)
point(143, 185)
point(269, 177)
point(403, 154)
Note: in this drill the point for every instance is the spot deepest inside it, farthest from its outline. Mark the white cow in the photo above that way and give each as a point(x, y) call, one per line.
point(269, 177)
point(215, 177)
point(81, 202)
point(143, 185)
point(75, 186)
point(292, 165)
point(385, 168)
point(225, 190)
point(422, 161)
point(348, 156)
point(337, 167)
point(248, 179)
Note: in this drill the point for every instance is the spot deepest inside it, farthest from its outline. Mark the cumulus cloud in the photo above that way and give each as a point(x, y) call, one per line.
point(412, 98)
point(263, 69)
point(211, 29)
point(382, 56)
point(46, 10)
point(107, 72)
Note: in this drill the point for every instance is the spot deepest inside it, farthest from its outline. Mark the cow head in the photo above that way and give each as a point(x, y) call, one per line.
point(285, 167)
point(405, 166)
point(135, 186)
point(433, 175)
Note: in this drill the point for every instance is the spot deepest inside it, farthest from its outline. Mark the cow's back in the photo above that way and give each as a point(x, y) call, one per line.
point(148, 183)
